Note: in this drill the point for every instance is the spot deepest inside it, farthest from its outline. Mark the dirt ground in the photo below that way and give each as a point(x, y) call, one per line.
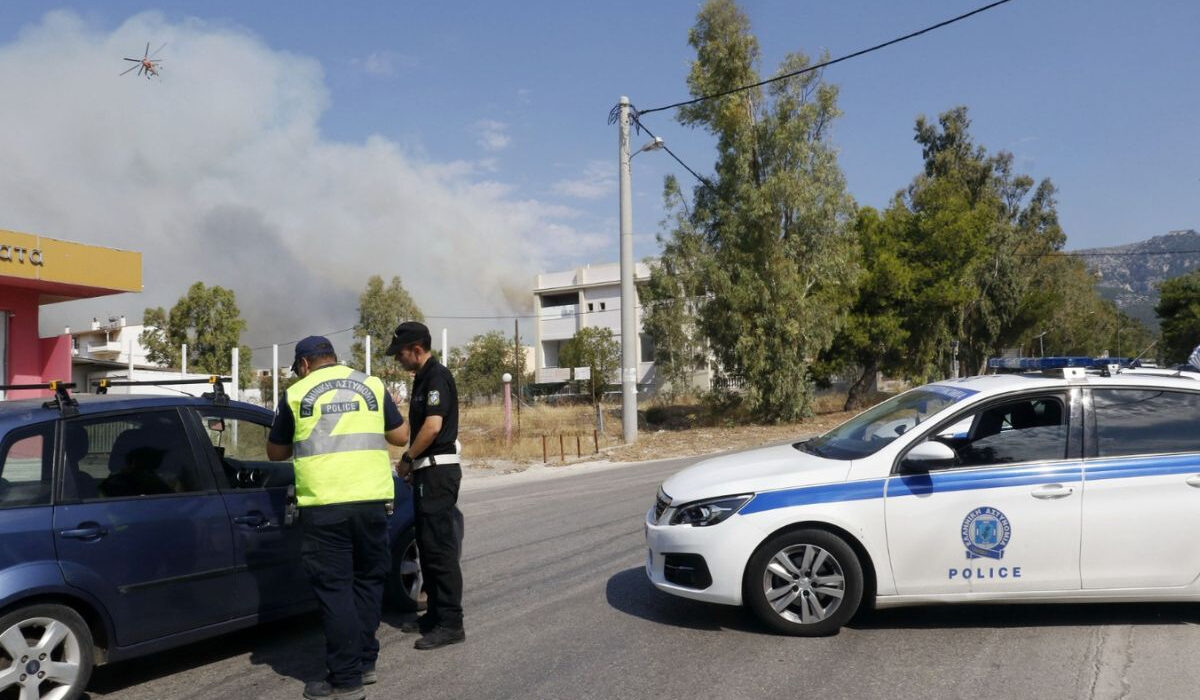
point(560, 435)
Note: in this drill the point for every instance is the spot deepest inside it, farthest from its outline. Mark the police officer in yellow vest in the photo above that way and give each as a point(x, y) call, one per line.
point(335, 423)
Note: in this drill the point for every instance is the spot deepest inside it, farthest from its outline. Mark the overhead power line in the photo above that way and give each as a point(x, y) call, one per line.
point(819, 66)
point(703, 181)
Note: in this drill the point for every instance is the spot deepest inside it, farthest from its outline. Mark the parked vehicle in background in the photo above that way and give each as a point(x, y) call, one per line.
point(1077, 480)
point(131, 524)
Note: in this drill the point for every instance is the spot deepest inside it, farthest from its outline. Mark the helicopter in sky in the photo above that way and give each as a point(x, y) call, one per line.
point(147, 64)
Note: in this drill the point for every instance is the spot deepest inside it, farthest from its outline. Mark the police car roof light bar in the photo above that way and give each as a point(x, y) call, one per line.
point(1043, 364)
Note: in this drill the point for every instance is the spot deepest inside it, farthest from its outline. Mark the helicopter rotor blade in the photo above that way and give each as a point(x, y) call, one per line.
point(135, 60)
point(130, 68)
point(147, 51)
point(157, 50)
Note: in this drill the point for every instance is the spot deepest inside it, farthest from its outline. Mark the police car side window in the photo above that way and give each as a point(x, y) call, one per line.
point(1025, 430)
point(1146, 421)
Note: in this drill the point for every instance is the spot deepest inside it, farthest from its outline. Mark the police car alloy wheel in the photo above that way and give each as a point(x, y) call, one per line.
point(45, 652)
point(804, 583)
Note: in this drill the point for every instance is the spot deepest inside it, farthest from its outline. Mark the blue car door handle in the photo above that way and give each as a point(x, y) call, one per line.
point(255, 520)
point(93, 532)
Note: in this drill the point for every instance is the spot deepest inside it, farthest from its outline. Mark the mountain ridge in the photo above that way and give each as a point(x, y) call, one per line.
point(1130, 274)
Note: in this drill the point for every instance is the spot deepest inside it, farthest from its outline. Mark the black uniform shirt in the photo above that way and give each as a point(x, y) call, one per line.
point(284, 427)
point(434, 394)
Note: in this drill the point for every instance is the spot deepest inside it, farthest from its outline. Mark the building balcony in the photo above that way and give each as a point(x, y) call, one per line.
point(106, 351)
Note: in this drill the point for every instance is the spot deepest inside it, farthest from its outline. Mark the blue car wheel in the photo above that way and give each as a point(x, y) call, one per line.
point(404, 583)
point(49, 653)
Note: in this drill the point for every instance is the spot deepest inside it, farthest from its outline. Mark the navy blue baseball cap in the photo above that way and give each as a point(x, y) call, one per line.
point(406, 334)
point(310, 346)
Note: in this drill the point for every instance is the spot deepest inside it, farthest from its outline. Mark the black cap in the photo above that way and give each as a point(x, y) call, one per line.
point(406, 334)
point(310, 346)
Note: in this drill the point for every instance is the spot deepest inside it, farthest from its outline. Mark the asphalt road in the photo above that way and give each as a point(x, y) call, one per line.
point(558, 606)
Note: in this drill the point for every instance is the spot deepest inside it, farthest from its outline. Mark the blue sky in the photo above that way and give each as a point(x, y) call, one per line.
point(504, 106)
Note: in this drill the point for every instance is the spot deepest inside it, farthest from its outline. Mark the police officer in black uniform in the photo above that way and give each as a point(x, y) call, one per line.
point(433, 461)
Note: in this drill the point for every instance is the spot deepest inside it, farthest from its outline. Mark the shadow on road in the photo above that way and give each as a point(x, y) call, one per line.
point(630, 592)
point(292, 647)
point(1028, 615)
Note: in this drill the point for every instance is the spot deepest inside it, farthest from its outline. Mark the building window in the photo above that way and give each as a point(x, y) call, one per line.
point(550, 350)
point(559, 299)
point(601, 306)
point(647, 347)
point(591, 306)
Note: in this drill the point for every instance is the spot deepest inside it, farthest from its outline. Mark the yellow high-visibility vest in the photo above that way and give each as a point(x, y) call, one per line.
point(338, 450)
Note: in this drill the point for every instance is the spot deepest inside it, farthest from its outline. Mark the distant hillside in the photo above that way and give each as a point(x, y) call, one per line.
point(1132, 276)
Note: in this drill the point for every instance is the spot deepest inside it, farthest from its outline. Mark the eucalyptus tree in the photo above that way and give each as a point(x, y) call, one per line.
point(767, 243)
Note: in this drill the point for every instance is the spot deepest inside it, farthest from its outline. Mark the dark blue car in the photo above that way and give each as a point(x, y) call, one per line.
point(131, 524)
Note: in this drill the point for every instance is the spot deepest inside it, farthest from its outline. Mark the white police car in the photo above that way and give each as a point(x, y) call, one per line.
point(1059, 484)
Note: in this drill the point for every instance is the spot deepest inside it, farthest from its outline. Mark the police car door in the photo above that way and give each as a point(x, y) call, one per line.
point(1005, 515)
point(1141, 509)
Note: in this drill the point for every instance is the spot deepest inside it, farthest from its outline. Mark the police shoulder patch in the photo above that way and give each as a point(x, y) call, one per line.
point(435, 398)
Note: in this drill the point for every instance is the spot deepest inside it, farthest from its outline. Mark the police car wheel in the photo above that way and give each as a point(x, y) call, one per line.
point(805, 583)
point(404, 581)
point(47, 650)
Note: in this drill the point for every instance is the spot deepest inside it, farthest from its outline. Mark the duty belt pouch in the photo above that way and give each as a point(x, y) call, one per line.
point(290, 506)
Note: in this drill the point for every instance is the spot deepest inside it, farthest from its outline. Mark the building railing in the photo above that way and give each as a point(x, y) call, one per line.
point(558, 311)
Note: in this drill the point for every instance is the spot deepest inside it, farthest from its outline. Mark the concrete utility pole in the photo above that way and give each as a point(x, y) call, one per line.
point(274, 376)
point(234, 373)
point(367, 345)
point(629, 329)
point(507, 379)
point(520, 367)
point(628, 326)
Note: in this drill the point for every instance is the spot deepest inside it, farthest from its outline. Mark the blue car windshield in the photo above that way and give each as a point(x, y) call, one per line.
point(871, 431)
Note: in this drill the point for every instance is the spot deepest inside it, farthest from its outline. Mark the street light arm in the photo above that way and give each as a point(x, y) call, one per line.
point(654, 145)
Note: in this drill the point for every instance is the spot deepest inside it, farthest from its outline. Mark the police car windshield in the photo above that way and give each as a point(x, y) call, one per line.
point(869, 432)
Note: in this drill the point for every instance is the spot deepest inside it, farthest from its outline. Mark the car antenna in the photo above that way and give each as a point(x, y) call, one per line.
point(1139, 355)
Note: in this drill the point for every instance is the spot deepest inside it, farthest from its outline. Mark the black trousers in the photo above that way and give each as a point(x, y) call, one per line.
point(439, 541)
point(346, 554)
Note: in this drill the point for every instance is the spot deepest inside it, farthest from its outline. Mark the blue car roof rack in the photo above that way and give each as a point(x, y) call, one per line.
point(217, 395)
point(62, 400)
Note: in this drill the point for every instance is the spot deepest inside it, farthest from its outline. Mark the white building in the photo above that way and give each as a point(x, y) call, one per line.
point(588, 296)
point(112, 350)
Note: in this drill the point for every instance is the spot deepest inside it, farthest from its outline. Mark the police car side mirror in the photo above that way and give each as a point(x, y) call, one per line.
point(927, 455)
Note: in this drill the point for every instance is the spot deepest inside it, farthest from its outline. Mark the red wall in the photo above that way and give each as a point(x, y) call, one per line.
point(31, 360)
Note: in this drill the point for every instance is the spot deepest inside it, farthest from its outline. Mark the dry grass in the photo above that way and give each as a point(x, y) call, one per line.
point(674, 430)
point(566, 432)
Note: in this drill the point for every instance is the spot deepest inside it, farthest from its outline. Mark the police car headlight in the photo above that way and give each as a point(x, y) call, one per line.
point(709, 512)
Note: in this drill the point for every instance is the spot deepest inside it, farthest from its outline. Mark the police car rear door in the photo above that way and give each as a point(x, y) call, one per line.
point(1006, 515)
point(1141, 507)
